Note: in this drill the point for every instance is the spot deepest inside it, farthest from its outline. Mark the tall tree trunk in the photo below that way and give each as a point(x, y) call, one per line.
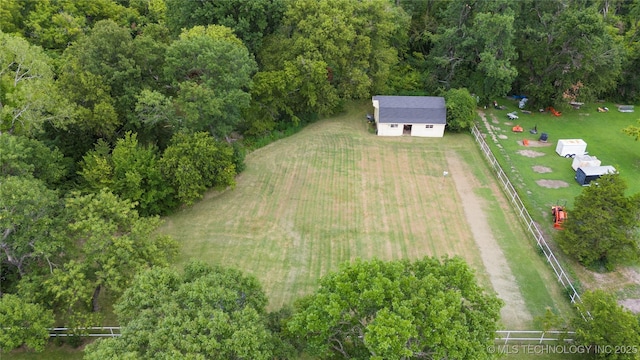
point(94, 300)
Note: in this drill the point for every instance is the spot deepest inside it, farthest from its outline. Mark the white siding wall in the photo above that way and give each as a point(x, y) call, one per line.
point(376, 110)
point(387, 130)
point(437, 130)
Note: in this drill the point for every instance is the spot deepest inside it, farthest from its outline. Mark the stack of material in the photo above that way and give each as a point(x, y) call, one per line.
point(583, 161)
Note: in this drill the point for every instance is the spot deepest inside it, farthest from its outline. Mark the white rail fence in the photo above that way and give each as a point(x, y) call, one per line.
point(532, 227)
point(533, 337)
point(95, 331)
point(502, 336)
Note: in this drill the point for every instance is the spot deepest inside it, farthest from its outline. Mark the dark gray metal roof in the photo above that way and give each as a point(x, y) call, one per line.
point(412, 109)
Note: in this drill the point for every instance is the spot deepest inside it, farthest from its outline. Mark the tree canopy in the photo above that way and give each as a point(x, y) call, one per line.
point(23, 324)
point(195, 162)
point(210, 70)
point(603, 227)
point(205, 312)
point(398, 309)
point(607, 324)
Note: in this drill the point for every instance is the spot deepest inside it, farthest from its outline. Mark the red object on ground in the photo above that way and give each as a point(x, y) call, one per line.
point(554, 111)
point(525, 142)
point(517, 128)
point(559, 216)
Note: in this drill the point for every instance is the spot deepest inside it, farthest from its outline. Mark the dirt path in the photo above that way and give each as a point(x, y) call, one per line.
point(514, 312)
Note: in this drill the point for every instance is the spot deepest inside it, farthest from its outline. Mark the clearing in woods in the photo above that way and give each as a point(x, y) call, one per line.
point(334, 192)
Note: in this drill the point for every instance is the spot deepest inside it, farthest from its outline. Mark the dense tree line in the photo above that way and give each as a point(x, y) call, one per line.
point(113, 112)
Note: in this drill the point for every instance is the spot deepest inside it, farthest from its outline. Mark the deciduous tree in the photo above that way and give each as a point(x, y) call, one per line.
point(29, 96)
point(195, 162)
point(23, 323)
point(54, 24)
point(114, 241)
point(461, 109)
point(101, 76)
point(217, 312)
point(357, 40)
point(210, 71)
point(395, 310)
point(602, 229)
point(30, 225)
point(566, 52)
point(131, 171)
point(22, 156)
point(250, 20)
point(608, 325)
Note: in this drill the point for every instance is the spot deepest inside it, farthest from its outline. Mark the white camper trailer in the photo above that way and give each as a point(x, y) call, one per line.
point(571, 147)
point(582, 161)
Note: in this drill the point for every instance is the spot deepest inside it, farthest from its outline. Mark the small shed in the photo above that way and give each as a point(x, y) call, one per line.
point(424, 116)
point(584, 176)
point(582, 161)
point(571, 147)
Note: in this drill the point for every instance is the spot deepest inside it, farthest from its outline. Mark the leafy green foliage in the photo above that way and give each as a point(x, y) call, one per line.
point(54, 24)
point(301, 87)
point(131, 171)
point(195, 162)
point(101, 76)
point(557, 71)
point(398, 309)
point(114, 241)
point(29, 224)
point(348, 46)
point(495, 71)
point(607, 325)
point(23, 323)
point(249, 20)
point(28, 94)
point(633, 131)
point(219, 314)
point(602, 229)
point(11, 19)
point(21, 156)
point(461, 109)
point(210, 70)
point(154, 114)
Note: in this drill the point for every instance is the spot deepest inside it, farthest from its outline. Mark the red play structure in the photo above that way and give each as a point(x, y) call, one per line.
point(554, 111)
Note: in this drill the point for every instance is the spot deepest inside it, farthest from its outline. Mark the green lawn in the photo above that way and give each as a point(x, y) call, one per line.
point(603, 134)
point(601, 131)
point(334, 192)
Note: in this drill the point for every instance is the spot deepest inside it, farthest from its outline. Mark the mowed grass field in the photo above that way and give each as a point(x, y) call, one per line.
point(335, 192)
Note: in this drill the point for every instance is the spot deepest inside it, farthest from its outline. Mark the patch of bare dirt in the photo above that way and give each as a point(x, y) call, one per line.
point(632, 305)
point(530, 153)
point(552, 184)
point(502, 279)
point(541, 169)
point(502, 137)
point(535, 143)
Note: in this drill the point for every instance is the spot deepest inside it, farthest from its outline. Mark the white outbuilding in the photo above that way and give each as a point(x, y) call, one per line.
point(424, 116)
